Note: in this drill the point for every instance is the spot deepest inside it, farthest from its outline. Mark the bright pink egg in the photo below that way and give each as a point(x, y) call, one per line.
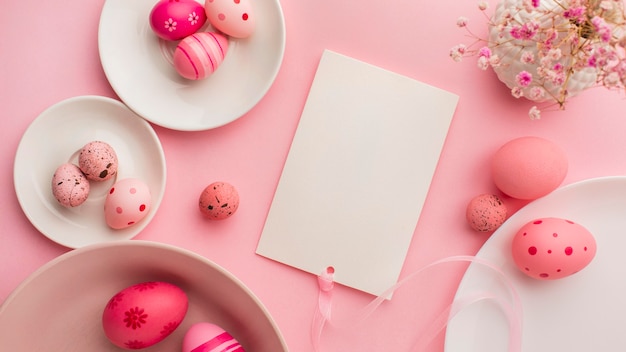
point(200, 54)
point(176, 19)
point(207, 337)
point(552, 248)
point(144, 314)
point(127, 203)
point(232, 17)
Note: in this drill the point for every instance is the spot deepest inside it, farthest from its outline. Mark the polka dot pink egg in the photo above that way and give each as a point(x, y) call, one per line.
point(127, 203)
point(552, 248)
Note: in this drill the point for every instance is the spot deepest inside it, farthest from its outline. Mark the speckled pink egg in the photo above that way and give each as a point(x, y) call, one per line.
point(176, 19)
point(144, 314)
point(98, 161)
point(232, 17)
point(127, 203)
point(69, 186)
point(200, 54)
point(219, 200)
point(208, 337)
point(485, 212)
point(552, 248)
point(529, 167)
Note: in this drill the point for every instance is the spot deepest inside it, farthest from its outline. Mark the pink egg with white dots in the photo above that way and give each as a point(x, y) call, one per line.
point(552, 248)
point(127, 203)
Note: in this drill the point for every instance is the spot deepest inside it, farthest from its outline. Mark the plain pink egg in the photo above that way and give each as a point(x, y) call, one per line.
point(529, 167)
point(144, 314)
point(552, 248)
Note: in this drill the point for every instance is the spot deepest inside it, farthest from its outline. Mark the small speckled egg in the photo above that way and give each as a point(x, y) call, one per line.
point(69, 185)
point(207, 337)
point(127, 203)
point(200, 54)
point(529, 167)
point(144, 314)
point(232, 17)
point(219, 200)
point(552, 248)
point(485, 213)
point(98, 161)
point(176, 19)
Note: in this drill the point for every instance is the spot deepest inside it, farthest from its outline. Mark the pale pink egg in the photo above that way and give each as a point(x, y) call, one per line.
point(127, 203)
point(552, 248)
point(219, 200)
point(529, 167)
point(69, 186)
point(176, 19)
point(200, 54)
point(98, 161)
point(232, 17)
point(144, 314)
point(207, 337)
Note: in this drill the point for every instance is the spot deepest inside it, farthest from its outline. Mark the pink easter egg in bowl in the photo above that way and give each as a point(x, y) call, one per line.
point(64, 302)
point(199, 55)
point(176, 19)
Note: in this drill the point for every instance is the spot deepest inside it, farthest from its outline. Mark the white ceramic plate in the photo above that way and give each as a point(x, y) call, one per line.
point(59, 307)
point(580, 313)
point(140, 73)
point(56, 137)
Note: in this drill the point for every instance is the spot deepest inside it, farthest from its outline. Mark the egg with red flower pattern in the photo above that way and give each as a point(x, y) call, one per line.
point(144, 314)
point(127, 203)
point(552, 248)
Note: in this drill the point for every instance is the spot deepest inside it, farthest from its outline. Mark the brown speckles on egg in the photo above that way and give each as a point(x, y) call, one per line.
point(218, 201)
point(98, 161)
point(485, 213)
point(69, 185)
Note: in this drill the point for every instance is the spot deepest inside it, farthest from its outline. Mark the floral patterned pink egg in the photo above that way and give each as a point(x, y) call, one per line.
point(232, 17)
point(127, 203)
point(176, 19)
point(552, 248)
point(144, 314)
point(200, 54)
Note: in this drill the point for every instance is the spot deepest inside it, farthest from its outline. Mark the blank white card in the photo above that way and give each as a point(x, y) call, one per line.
point(357, 173)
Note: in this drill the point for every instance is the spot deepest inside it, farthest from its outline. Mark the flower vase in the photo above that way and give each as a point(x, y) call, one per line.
point(522, 65)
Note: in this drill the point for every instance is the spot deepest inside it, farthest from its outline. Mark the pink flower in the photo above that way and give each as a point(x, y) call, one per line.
point(462, 22)
point(484, 52)
point(516, 92)
point(603, 29)
point(577, 14)
point(457, 52)
point(534, 113)
point(528, 57)
point(524, 78)
point(525, 31)
point(483, 5)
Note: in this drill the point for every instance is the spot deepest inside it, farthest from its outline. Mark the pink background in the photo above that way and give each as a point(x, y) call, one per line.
point(49, 52)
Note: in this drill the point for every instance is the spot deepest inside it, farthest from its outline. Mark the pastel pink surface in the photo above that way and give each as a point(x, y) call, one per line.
point(127, 203)
point(144, 314)
point(199, 55)
point(175, 20)
point(552, 248)
point(235, 18)
point(251, 151)
point(529, 167)
point(208, 337)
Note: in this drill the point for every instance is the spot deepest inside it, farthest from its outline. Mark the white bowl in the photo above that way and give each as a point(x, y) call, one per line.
point(59, 307)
